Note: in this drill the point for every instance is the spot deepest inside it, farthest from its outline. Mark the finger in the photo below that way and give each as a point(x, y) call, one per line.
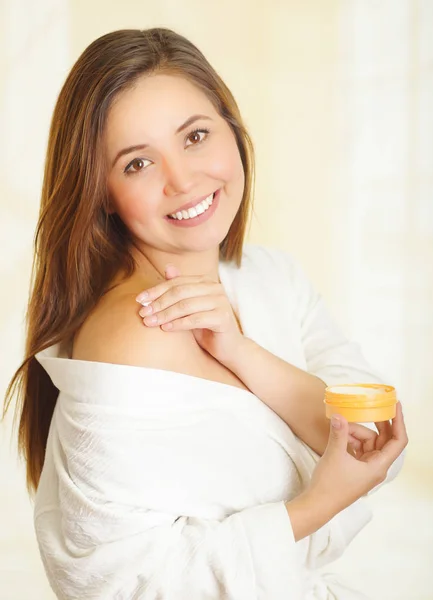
point(183, 292)
point(157, 290)
point(185, 308)
point(171, 271)
point(367, 436)
point(338, 435)
point(200, 320)
point(385, 433)
point(356, 444)
point(399, 440)
point(362, 433)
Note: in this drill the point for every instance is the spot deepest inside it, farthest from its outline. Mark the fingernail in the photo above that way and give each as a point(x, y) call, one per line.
point(335, 422)
point(141, 297)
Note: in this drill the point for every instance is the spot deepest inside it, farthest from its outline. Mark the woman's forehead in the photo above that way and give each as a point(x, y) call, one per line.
point(156, 105)
point(161, 95)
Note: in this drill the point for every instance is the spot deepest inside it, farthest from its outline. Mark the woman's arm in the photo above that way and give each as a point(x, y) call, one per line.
point(297, 395)
point(293, 394)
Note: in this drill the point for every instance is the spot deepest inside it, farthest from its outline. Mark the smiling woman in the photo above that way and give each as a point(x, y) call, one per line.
point(185, 165)
point(178, 447)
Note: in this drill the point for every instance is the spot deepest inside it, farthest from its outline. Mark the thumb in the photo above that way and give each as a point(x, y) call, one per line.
point(171, 271)
point(338, 436)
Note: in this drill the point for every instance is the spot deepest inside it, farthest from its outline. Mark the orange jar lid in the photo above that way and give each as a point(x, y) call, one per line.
point(360, 395)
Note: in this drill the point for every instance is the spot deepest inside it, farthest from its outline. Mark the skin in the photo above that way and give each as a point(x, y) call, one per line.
point(173, 170)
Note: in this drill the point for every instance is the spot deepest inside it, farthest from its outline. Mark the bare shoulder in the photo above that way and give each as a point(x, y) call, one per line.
point(114, 333)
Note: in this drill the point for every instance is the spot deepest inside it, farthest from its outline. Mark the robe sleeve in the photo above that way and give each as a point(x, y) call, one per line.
point(104, 533)
point(118, 466)
point(250, 554)
point(329, 355)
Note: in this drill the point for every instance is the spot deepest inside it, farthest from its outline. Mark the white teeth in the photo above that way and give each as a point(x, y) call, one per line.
point(199, 209)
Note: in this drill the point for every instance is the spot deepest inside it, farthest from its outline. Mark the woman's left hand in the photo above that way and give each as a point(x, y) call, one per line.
point(193, 303)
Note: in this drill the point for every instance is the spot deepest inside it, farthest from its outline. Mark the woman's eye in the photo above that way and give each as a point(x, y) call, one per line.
point(197, 136)
point(136, 165)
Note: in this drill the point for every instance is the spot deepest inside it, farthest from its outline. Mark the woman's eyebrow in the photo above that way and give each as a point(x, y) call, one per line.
point(128, 150)
point(191, 120)
point(187, 123)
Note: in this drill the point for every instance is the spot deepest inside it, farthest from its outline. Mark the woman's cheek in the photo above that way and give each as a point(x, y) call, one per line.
point(131, 201)
point(234, 162)
point(226, 165)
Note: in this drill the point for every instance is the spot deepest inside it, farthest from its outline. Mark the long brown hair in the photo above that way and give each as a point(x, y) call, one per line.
point(79, 246)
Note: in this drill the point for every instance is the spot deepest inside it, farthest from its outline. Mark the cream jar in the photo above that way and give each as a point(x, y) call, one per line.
point(361, 402)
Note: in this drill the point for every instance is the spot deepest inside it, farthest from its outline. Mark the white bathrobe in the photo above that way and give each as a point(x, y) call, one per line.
point(163, 486)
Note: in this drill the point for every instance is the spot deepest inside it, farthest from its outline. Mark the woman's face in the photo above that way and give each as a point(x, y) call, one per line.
point(167, 147)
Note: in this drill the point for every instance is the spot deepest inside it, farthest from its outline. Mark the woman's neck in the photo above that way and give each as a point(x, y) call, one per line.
point(151, 263)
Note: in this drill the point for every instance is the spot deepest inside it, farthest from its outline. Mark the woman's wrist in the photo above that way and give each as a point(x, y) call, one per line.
point(238, 360)
point(235, 359)
point(307, 514)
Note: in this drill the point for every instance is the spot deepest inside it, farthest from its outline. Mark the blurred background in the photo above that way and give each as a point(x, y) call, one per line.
point(338, 97)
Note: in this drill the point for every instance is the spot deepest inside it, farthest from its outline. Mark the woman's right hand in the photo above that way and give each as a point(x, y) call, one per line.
point(340, 478)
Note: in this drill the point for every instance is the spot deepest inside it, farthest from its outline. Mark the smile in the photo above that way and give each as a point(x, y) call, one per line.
point(194, 211)
point(196, 215)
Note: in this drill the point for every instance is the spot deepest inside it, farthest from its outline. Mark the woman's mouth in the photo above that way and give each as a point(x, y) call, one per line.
point(194, 211)
point(197, 214)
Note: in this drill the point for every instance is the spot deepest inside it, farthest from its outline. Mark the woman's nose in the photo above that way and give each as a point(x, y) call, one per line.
point(179, 178)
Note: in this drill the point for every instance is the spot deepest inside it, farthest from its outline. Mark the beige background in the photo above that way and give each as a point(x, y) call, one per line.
point(337, 95)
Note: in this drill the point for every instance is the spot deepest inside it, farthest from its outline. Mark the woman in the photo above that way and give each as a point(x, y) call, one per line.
point(178, 447)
